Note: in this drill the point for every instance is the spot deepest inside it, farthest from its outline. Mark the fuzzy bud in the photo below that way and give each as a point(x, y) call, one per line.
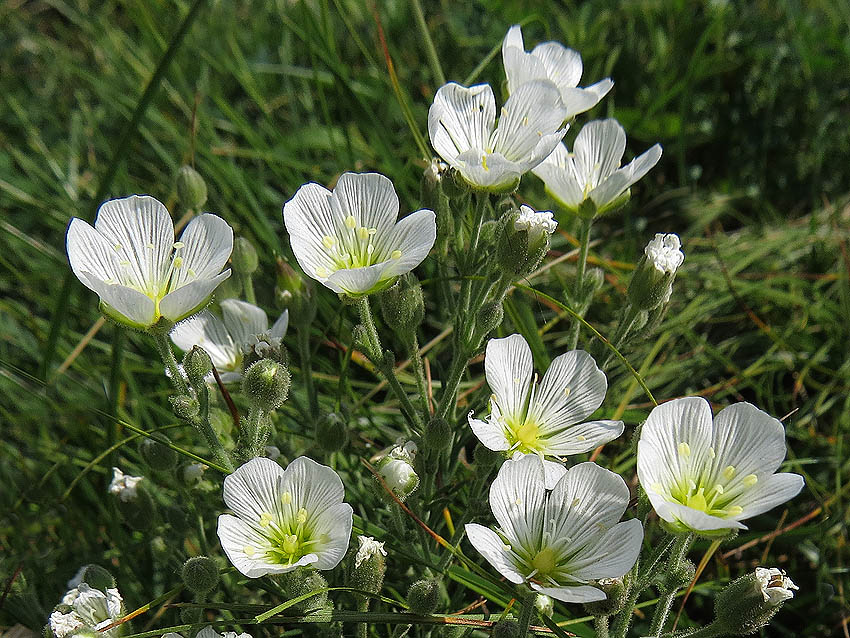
point(158, 456)
point(748, 603)
point(197, 365)
point(437, 435)
point(185, 406)
point(191, 188)
point(244, 257)
point(524, 240)
point(616, 593)
point(266, 382)
point(304, 581)
point(331, 432)
point(369, 565)
point(652, 281)
point(544, 604)
point(402, 305)
point(680, 577)
point(489, 318)
point(399, 476)
point(193, 473)
point(423, 597)
point(97, 577)
point(506, 628)
point(486, 459)
point(200, 574)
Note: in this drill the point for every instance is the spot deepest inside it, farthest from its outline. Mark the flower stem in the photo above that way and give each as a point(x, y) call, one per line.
point(250, 434)
point(447, 399)
point(579, 298)
point(526, 613)
point(662, 607)
point(419, 373)
point(248, 288)
point(163, 347)
point(600, 624)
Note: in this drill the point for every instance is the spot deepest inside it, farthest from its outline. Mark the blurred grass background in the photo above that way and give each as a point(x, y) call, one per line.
point(751, 102)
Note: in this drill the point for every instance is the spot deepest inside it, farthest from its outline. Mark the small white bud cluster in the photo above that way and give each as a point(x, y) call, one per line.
point(369, 547)
point(537, 223)
point(776, 587)
point(262, 345)
point(396, 468)
point(123, 485)
point(664, 253)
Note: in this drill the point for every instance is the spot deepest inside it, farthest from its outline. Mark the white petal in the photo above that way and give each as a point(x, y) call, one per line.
point(572, 594)
point(90, 252)
point(334, 527)
point(578, 100)
point(521, 67)
point(460, 119)
point(207, 244)
point(552, 471)
point(489, 171)
point(689, 517)
point(558, 173)
point(254, 489)
point(751, 441)
point(142, 233)
point(279, 328)
point(508, 367)
point(617, 183)
point(571, 390)
point(768, 493)
point(413, 236)
point(357, 281)
point(598, 149)
point(491, 435)
point(516, 498)
point(209, 332)
point(368, 197)
point(563, 65)
point(532, 111)
point(313, 486)
point(123, 303)
point(236, 536)
point(243, 320)
point(581, 437)
point(309, 218)
point(587, 501)
point(491, 547)
point(189, 299)
point(601, 88)
point(609, 555)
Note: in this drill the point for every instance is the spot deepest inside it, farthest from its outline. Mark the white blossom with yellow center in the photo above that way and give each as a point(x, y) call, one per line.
point(707, 475)
point(284, 518)
point(559, 539)
point(545, 418)
point(130, 259)
point(350, 239)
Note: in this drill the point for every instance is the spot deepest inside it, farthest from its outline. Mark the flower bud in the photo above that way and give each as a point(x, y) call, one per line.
point(331, 432)
point(160, 549)
point(244, 257)
point(486, 459)
point(158, 456)
point(544, 604)
point(304, 581)
point(505, 628)
point(368, 567)
point(185, 406)
point(423, 597)
point(680, 577)
point(402, 305)
point(489, 318)
point(177, 516)
point(652, 281)
point(139, 512)
point(524, 240)
point(266, 383)
point(272, 452)
point(616, 593)
point(200, 574)
point(748, 603)
point(193, 473)
point(98, 578)
point(191, 188)
point(437, 435)
point(398, 474)
point(124, 486)
point(197, 365)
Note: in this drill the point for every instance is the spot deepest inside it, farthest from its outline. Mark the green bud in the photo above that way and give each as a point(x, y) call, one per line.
point(433, 196)
point(748, 603)
point(191, 615)
point(368, 565)
point(593, 280)
point(652, 281)
point(304, 581)
point(402, 305)
point(244, 257)
point(524, 240)
point(177, 517)
point(331, 432)
point(399, 476)
point(423, 597)
point(159, 548)
point(490, 232)
point(97, 577)
point(486, 459)
point(139, 512)
point(616, 593)
point(197, 365)
point(267, 384)
point(200, 574)
point(191, 188)
point(506, 628)
point(437, 435)
point(185, 407)
point(158, 456)
point(230, 288)
point(679, 577)
point(489, 318)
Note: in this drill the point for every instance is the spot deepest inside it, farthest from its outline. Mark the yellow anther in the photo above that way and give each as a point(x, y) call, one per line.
point(178, 245)
point(517, 380)
point(719, 488)
point(711, 452)
point(322, 272)
point(729, 472)
point(328, 242)
point(575, 502)
point(734, 510)
point(302, 515)
point(507, 548)
point(684, 449)
point(178, 261)
point(192, 273)
point(504, 112)
point(149, 246)
point(518, 501)
point(484, 163)
point(370, 249)
point(265, 519)
point(567, 391)
point(525, 121)
point(290, 544)
point(286, 498)
point(350, 221)
point(363, 233)
point(117, 247)
point(249, 551)
point(750, 480)
point(581, 437)
point(396, 254)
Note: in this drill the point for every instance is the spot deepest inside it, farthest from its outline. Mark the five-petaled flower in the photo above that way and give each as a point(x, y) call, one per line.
point(551, 61)
point(88, 610)
point(544, 419)
point(242, 325)
point(560, 541)
point(463, 130)
point(349, 239)
point(284, 518)
point(590, 180)
point(130, 259)
point(707, 475)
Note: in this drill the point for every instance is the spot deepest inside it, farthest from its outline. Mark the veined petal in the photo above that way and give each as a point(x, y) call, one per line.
point(611, 554)
point(491, 435)
point(690, 518)
point(254, 489)
point(578, 100)
point(581, 437)
point(558, 173)
point(278, 330)
point(142, 234)
point(771, 491)
point(413, 237)
point(189, 299)
point(309, 218)
point(751, 441)
point(333, 526)
point(532, 111)
point(545, 146)
point(598, 149)
point(571, 390)
point(572, 594)
point(368, 197)
point(207, 244)
point(521, 67)
point(461, 119)
point(90, 252)
point(491, 547)
point(243, 320)
point(356, 281)
point(516, 497)
point(246, 547)
point(209, 332)
point(621, 179)
point(563, 65)
point(313, 486)
point(601, 88)
point(508, 367)
point(122, 303)
point(489, 171)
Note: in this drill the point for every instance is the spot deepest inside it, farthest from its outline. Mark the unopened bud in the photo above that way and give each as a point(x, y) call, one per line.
point(159, 548)
point(139, 512)
point(185, 406)
point(402, 305)
point(544, 604)
point(267, 384)
point(423, 597)
point(331, 432)
point(506, 628)
point(616, 593)
point(197, 365)
point(158, 456)
point(748, 603)
point(301, 582)
point(399, 476)
point(191, 188)
point(486, 459)
point(652, 281)
point(680, 577)
point(524, 240)
point(200, 574)
point(369, 565)
point(193, 473)
point(437, 435)
point(244, 257)
point(97, 577)
point(489, 318)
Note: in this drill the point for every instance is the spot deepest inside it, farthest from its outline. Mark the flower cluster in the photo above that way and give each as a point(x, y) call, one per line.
point(87, 609)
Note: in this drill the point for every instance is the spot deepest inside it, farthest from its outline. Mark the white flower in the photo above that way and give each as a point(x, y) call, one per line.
point(284, 518)
point(130, 259)
point(539, 224)
point(193, 473)
point(241, 325)
point(708, 476)
point(368, 547)
point(664, 253)
point(559, 542)
point(776, 587)
point(543, 419)
point(350, 239)
point(550, 61)
point(592, 171)
point(91, 609)
point(462, 127)
point(124, 485)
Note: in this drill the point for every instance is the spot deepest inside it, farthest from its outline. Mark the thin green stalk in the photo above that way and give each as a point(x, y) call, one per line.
point(118, 340)
point(163, 347)
point(303, 335)
point(419, 374)
point(248, 287)
point(430, 50)
point(526, 613)
point(451, 385)
point(662, 607)
point(600, 624)
point(579, 298)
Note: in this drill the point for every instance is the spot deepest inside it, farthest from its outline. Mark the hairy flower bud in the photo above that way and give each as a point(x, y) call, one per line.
point(402, 305)
point(185, 406)
point(158, 456)
point(200, 574)
point(304, 581)
point(489, 318)
point(423, 597)
point(197, 365)
point(652, 281)
point(97, 577)
point(369, 565)
point(267, 384)
point(399, 476)
point(544, 604)
point(506, 628)
point(616, 593)
point(244, 257)
point(193, 473)
point(331, 432)
point(748, 603)
point(524, 240)
point(191, 188)
point(437, 435)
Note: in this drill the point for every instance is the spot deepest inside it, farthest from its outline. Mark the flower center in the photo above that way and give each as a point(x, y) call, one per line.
point(714, 496)
point(288, 541)
point(525, 437)
point(353, 247)
point(544, 561)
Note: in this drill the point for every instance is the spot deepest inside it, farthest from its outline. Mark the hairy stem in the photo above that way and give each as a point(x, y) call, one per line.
point(662, 607)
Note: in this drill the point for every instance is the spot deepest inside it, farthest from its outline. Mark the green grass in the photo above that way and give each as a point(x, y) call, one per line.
point(750, 103)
